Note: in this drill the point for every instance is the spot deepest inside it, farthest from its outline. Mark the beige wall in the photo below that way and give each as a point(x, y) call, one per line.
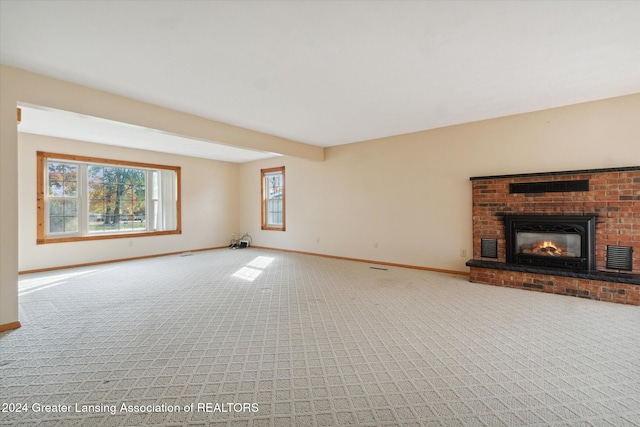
point(19, 86)
point(209, 205)
point(411, 193)
point(8, 205)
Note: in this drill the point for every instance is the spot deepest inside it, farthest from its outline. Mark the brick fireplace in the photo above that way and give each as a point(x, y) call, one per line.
point(604, 203)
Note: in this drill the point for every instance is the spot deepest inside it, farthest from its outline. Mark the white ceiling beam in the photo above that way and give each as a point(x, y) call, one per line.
point(42, 91)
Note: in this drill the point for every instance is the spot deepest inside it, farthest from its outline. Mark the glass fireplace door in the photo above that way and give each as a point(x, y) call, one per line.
point(548, 244)
point(551, 241)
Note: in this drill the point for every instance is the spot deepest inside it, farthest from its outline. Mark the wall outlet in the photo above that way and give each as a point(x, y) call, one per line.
point(317, 240)
point(375, 244)
point(463, 252)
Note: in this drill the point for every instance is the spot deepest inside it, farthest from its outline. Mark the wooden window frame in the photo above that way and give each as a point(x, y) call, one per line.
point(41, 237)
point(263, 210)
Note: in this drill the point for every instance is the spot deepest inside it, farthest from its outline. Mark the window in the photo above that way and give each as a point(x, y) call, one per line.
point(63, 197)
point(273, 200)
point(83, 198)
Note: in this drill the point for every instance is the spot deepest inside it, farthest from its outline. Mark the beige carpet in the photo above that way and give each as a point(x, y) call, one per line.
point(263, 338)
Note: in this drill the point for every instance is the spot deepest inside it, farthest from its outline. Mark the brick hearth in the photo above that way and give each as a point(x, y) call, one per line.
point(613, 195)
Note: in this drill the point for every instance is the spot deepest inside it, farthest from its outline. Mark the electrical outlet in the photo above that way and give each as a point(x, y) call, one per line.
point(375, 244)
point(463, 252)
point(318, 240)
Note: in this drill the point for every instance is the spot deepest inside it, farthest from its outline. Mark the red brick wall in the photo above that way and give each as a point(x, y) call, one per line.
point(613, 196)
point(583, 288)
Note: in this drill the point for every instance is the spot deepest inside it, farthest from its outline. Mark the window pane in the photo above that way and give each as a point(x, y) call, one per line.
point(110, 190)
point(56, 188)
point(63, 179)
point(155, 215)
point(95, 173)
point(125, 222)
point(115, 196)
point(97, 211)
point(274, 186)
point(70, 224)
point(56, 171)
point(70, 189)
point(96, 189)
point(128, 192)
point(56, 208)
point(63, 216)
point(126, 207)
point(70, 172)
point(122, 191)
point(139, 192)
point(56, 224)
point(274, 212)
point(154, 188)
point(96, 207)
point(70, 208)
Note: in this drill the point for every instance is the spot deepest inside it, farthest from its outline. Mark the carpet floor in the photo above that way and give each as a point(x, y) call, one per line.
point(254, 337)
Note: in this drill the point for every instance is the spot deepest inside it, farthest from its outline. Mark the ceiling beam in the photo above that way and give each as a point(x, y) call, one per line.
point(43, 91)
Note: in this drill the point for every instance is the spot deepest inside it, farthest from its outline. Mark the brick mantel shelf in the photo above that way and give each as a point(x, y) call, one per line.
point(612, 195)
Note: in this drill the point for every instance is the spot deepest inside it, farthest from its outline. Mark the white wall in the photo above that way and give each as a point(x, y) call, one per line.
point(411, 193)
point(209, 205)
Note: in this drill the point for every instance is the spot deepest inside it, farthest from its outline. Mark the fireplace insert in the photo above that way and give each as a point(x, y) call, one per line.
point(554, 241)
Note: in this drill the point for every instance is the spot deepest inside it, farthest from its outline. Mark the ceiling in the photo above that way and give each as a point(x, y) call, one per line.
point(331, 73)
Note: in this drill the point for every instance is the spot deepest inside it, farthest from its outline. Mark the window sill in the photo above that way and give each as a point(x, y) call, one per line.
point(273, 228)
point(48, 240)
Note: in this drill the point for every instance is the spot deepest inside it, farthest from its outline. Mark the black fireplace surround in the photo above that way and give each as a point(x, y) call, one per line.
point(565, 242)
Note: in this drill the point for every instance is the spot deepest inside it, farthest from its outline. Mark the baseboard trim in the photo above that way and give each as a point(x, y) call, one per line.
point(368, 261)
point(390, 264)
point(88, 264)
point(9, 326)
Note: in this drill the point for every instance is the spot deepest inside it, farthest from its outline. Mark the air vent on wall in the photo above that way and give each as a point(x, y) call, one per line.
point(489, 248)
point(549, 186)
point(620, 257)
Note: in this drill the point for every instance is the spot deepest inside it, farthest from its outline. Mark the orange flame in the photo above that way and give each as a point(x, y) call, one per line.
point(549, 247)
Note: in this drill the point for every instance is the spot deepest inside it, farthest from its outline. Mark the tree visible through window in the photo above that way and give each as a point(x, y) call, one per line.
point(273, 199)
point(87, 198)
point(63, 197)
point(117, 198)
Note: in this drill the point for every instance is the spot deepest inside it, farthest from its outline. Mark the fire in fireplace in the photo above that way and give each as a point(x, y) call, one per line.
point(554, 244)
point(556, 241)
